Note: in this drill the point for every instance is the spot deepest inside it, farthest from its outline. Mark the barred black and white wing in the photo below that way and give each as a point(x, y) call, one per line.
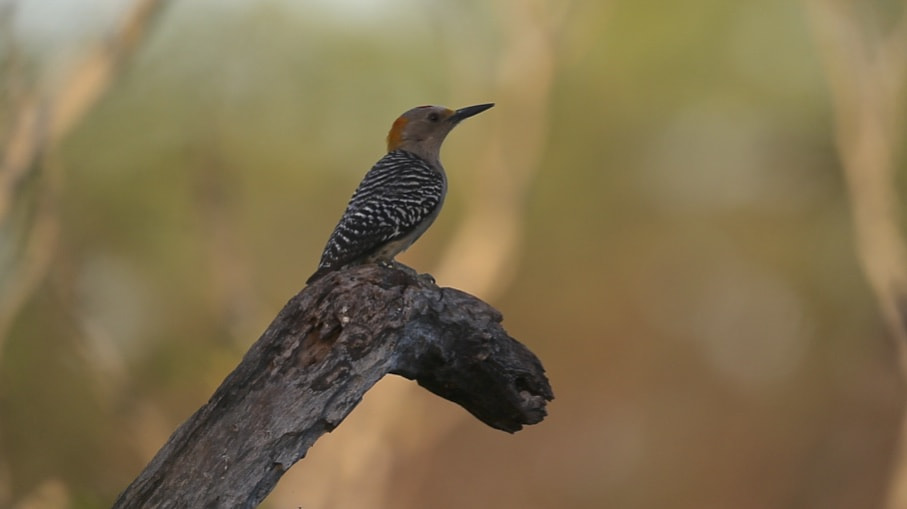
point(394, 204)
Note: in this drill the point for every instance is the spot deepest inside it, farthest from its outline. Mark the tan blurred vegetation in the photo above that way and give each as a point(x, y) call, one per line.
point(674, 205)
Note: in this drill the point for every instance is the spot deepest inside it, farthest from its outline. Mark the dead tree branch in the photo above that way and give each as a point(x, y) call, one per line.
point(329, 345)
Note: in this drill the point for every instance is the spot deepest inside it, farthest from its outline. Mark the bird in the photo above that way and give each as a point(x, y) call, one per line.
point(400, 196)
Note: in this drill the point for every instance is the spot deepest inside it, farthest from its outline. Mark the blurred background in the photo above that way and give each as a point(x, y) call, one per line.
point(660, 204)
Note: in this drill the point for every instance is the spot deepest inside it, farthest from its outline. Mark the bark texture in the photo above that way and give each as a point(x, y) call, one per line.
point(331, 343)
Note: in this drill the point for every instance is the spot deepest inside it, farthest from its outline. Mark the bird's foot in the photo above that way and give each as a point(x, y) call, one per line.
point(409, 271)
point(390, 264)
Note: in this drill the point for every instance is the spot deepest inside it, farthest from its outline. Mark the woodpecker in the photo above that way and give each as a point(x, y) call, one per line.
point(400, 196)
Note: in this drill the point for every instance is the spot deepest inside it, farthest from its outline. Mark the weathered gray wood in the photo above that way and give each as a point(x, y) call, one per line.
point(326, 348)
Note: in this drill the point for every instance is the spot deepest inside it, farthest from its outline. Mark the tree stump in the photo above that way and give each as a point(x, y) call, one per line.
point(329, 345)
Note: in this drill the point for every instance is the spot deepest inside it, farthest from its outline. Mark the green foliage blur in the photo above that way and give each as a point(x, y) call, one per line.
point(682, 254)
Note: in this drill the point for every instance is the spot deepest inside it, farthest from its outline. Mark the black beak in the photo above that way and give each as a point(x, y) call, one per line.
point(468, 111)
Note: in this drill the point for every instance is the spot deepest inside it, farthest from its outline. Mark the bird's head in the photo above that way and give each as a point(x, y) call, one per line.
point(421, 130)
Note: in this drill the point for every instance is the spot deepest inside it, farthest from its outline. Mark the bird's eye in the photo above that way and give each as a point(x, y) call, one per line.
point(434, 117)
